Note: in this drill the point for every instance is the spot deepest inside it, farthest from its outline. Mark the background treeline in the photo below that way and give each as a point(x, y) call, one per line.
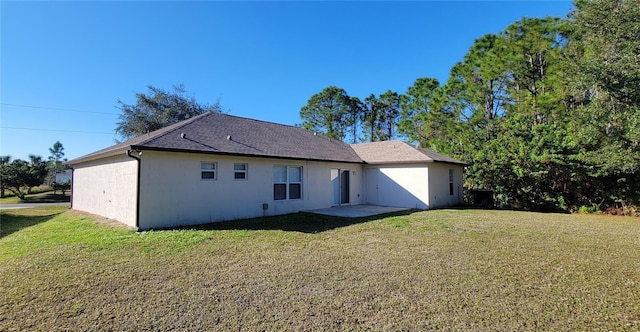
point(547, 112)
point(20, 176)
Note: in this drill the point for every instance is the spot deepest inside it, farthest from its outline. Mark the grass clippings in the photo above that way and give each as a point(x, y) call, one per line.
point(441, 269)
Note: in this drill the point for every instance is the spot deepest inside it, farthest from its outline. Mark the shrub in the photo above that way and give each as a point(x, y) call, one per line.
point(588, 209)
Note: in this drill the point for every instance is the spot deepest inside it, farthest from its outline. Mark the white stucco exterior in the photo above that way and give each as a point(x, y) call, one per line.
point(439, 188)
point(173, 193)
point(107, 187)
point(419, 186)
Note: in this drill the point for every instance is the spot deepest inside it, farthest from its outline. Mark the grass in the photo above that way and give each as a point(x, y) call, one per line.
point(39, 197)
point(441, 269)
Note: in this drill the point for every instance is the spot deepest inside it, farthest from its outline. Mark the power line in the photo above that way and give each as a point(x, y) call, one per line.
point(56, 108)
point(60, 130)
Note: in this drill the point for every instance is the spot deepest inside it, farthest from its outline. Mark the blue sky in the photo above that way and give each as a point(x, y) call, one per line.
point(64, 65)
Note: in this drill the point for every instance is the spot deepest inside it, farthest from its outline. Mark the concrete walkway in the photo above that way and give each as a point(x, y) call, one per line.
point(30, 205)
point(356, 211)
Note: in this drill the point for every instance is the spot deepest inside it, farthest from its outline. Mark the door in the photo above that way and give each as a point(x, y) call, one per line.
point(372, 186)
point(340, 186)
point(344, 187)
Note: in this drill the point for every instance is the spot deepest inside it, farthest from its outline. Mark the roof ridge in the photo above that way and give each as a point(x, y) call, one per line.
point(264, 121)
point(170, 129)
point(332, 140)
point(221, 133)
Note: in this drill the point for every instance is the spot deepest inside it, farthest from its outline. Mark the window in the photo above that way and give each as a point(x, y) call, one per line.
point(287, 182)
point(451, 182)
point(240, 171)
point(207, 171)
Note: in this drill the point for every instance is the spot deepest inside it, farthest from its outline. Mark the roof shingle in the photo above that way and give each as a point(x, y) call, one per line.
point(218, 133)
point(392, 152)
point(226, 134)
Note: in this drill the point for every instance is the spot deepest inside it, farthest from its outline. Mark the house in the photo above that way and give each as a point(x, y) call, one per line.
point(398, 174)
point(216, 167)
point(63, 177)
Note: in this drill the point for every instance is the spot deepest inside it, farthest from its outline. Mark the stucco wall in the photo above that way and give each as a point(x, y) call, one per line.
point(107, 187)
point(173, 193)
point(439, 195)
point(421, 186)
point(398, 185)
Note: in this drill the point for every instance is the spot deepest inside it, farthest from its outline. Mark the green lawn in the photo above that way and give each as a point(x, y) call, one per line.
point(441, 269)
point(40, 197)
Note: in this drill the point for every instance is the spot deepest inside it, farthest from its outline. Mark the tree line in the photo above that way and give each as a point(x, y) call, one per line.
point(20, 176)
point(546, 112)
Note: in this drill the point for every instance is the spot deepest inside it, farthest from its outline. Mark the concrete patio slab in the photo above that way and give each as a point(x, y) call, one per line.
point(356, 211)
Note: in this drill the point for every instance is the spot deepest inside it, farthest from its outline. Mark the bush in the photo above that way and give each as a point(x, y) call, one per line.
point(588, 209)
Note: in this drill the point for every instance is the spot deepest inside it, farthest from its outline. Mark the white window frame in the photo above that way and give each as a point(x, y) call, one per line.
point(288, 182)
point(244, 172)
point(204, 170)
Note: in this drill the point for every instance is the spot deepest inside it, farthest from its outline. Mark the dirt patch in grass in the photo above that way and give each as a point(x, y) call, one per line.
point(445, 270)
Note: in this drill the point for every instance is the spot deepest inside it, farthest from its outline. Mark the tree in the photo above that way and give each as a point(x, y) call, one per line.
point(603, 75)
point(36, 172)
point(19, 174)
point(379, 116)
point(416, 106)
point(389, 112)
point(56, 161)
point(4, 165)
point(157, 109)
point(14, 176)
point(370, 117)
point(479, 82)
point(62, 186)
point(328, 112)
point(502, 110)
point(354, 112)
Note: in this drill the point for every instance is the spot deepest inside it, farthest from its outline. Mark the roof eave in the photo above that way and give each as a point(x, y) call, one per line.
point(161, 149)
point(405, 162)
point(96, 156)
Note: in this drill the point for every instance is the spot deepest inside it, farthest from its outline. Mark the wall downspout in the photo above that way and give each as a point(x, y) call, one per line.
point(71, 196)
point(137, 158)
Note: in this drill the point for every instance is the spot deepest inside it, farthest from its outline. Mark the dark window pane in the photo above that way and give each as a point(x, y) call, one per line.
point(240, 175)
point(208, 175)
point(279, 191)
point(295, 191)
point(450, 188)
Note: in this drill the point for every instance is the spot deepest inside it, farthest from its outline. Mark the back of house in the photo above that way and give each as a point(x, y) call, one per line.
point(216, 167)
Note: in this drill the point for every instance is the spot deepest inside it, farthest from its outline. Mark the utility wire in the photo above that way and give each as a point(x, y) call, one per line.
point(56, 109)
point(59, 130)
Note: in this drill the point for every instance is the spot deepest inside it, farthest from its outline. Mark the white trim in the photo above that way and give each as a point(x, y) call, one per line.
point(213, 170)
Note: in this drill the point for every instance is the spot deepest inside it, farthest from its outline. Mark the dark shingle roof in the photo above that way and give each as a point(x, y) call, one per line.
point(225, 134)
point(393, 152)
point(218, 133)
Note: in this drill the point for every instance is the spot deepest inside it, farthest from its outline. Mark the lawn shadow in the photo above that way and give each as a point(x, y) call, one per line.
point(48, 198)
point(495, 208)
point(302, 222)
point(12, 223)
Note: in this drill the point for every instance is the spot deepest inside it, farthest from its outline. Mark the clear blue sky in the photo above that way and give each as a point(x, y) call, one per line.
point(263, 60)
